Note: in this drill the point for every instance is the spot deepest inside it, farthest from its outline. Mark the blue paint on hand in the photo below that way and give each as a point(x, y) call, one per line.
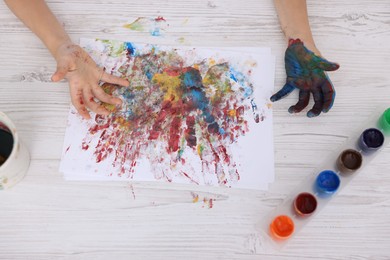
point(307, 72)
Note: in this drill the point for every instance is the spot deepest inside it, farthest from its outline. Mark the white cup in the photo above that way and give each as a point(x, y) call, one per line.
point(15, 166)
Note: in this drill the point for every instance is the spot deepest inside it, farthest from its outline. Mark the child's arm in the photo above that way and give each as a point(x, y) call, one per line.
point(72, 61)
point(294, 21)
point(305, 68)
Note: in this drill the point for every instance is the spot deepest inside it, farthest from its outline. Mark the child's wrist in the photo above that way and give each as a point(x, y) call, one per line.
point(55, 44)
point(307, 41)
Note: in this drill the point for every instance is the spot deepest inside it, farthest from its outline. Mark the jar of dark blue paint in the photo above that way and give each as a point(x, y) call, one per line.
point(371, 140)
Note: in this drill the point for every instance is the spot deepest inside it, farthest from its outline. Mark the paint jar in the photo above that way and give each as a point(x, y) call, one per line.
point(327, 182)
point(349, 161)
point(14, 157)
point(371, 140)
point(282, 227)
point(305, 204)
point(384, 122)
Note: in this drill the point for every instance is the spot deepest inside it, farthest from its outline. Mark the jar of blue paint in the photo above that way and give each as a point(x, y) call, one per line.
point(327, 182)
point(371, 140)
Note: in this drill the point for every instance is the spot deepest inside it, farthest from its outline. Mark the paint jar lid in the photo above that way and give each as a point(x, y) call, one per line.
point(327, 182)
point(384, 122)
point(305, 204)
point(282, 227)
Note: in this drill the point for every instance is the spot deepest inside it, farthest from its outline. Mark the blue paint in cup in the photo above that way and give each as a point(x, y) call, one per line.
point(327, 182)
point(371, 140)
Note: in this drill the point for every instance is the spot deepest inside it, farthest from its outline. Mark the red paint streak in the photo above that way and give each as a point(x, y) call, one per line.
point(173, 71)
point(67, 149)
point(84, 146)
point(257, 118)
point(222, 149)
point(155, 132)
point(211, 203)
point(160, 19)
point(216, 156)
point(174, 134)
point(189, 133)
point(293, 41)
point(191, 179)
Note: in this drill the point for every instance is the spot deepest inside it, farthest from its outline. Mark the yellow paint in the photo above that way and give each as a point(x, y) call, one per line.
point(123, 122)
point(232, 112)
point(199, 149)
point(212, 62)
point(195, 199)
point(139, 88)
point(109, 107)
point(137, 25)
point(185, 21)
point(181, 40)
point(170, 85)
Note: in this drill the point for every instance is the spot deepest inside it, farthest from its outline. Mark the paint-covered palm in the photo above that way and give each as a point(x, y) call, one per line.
point(306, 71)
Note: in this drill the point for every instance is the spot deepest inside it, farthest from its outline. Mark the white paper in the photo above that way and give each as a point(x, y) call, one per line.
point(241, 78)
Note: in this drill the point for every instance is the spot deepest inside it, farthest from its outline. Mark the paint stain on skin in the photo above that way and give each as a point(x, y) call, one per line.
point(155, 26)
point(175, 116)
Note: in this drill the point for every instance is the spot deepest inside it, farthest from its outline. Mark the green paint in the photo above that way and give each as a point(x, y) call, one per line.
point(116, 47)
point(138, 25)
point(384, 122)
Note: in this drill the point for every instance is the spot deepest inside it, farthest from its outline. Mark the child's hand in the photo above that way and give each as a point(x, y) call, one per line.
point(306, 71)
point(74, 64)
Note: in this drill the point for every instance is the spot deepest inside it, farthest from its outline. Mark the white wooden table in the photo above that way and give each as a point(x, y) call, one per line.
point(45, 217)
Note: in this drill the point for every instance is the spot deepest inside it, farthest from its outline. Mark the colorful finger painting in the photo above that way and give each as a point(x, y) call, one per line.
point(192, 115)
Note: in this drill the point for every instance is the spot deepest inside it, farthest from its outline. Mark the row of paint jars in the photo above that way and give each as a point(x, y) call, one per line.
point(328, 182)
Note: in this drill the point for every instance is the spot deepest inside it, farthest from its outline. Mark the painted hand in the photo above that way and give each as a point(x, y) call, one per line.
point(306, 71)
point(83, 75)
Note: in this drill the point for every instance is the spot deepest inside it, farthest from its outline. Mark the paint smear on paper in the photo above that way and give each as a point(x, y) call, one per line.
point(171, 113)
point(155, 26)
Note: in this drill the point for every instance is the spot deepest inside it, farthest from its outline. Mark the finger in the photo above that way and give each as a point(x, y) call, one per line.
point(318, 103)
point(327, 65)
point(329, 95)
point(78, 102)
point(99, 93)
point(114, 80)
point(60, 73)
point(287, 89)
point(304, 97)
point(92, 104)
